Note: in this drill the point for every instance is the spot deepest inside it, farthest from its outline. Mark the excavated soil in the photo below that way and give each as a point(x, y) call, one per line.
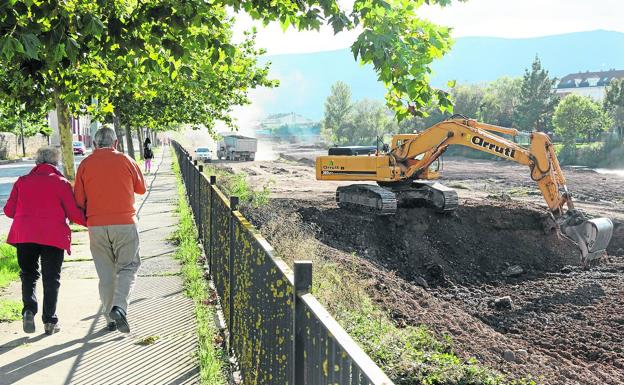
point(561, 324)
point(476, 243)
point(565, 324)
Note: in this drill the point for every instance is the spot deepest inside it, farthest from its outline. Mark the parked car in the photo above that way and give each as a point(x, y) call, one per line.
point(79, 148)
point(203, 154)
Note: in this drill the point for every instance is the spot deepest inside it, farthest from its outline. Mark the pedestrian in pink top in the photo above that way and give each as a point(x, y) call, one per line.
point(40, 204)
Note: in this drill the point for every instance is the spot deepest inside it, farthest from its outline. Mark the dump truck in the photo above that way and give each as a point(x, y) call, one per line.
point(237, 147)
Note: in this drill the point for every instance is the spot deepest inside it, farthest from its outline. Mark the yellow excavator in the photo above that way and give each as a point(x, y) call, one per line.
point(405, 176)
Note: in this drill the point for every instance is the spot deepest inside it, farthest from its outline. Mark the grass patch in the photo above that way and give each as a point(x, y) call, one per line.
point(212, 359)
point(10, 310)
point(77, 228)
point(236, 184)
point(9, 268)
point(519, 191)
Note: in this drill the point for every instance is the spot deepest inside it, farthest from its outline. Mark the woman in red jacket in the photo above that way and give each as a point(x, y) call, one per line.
point(40, 204)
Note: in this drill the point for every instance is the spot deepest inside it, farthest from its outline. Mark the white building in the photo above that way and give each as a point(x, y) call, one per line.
point(591, 84)
point(82, 129)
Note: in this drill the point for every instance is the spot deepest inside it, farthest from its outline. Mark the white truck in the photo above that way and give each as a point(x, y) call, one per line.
point(237, 147)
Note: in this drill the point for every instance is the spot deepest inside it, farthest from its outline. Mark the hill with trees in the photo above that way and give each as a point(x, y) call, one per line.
point(306, 79)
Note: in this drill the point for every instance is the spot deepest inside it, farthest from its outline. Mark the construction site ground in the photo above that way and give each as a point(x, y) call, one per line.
point(563, 324)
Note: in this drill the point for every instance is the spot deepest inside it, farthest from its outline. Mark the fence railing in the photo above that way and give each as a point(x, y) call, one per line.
point(278, 331)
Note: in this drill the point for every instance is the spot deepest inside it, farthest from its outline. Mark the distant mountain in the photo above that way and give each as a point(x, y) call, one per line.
point(306, 78)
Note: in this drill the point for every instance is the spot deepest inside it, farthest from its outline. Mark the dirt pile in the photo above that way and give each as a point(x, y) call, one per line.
point(476, 243)
point(563, 324)
point(616, 247)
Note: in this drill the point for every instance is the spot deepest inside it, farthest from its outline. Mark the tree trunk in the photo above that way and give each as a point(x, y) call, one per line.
point(129, 140)
point(65, 133)
point(23, 139)
point(140, 137)
point(118, 132)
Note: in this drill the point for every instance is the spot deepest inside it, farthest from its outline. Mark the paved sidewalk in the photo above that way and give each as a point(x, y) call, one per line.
point(84, 352)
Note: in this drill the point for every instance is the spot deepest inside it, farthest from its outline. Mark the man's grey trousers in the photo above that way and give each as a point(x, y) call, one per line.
point(115, 251)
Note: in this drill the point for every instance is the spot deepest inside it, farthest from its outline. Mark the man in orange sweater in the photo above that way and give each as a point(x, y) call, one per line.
point(106, 182)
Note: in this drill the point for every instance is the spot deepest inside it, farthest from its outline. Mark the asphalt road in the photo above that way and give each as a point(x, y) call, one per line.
point(10, 172)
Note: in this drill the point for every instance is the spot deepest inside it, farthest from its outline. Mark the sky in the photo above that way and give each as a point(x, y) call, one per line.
point(497, 18)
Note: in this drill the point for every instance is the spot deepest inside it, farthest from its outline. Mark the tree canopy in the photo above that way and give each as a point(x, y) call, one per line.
point(579, 117)
point(614, 105)
point(354, 123)
point(537, 99)
point(500, 102)
point(338, 107)
point(165, 62)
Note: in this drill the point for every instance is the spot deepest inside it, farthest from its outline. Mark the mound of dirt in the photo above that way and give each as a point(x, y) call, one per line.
point(562, 324)
point(477, 243)
point(616, 247)
point(290, 158)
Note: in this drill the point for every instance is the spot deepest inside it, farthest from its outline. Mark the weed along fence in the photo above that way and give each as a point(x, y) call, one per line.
point(278, 331)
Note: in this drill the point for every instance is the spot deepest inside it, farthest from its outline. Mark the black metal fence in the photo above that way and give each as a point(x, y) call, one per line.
point(278, 331)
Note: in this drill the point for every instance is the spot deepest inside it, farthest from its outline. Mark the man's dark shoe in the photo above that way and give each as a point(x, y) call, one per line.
point(51, 328)
point(28, 322)
point(119, 315)
point(112, 326)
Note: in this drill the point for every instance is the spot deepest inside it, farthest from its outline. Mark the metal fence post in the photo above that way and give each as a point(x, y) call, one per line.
point(186, 173)
point(233, 207)
point(213, 183)
point(195, 198)
point(193, 190)
point(189, 162)
point(200, 224)
point(303, 285)
point(184, 161)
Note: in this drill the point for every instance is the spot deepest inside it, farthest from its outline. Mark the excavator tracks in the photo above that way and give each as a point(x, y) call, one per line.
point(384, 200)
point(367, 197)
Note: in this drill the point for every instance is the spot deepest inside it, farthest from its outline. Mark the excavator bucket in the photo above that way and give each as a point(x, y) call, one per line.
point(591, 235)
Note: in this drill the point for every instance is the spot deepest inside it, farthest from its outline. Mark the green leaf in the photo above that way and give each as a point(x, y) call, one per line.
point(285, 22)
point(9, 46)
point(31, 45)
point(108, 108)
point(451, 83)
point(59, 52)
point(72, 49)
point(93, 26)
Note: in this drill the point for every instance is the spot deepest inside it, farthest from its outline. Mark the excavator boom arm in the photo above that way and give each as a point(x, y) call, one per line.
point(415, 152)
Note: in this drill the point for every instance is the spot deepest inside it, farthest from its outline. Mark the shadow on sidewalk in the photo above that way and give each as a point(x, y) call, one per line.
point(51, 355)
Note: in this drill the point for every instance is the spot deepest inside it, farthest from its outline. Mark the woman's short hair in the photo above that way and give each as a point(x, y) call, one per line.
point(49, 155)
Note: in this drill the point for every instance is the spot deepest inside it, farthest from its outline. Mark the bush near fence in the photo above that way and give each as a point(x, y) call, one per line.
point(278, 331)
